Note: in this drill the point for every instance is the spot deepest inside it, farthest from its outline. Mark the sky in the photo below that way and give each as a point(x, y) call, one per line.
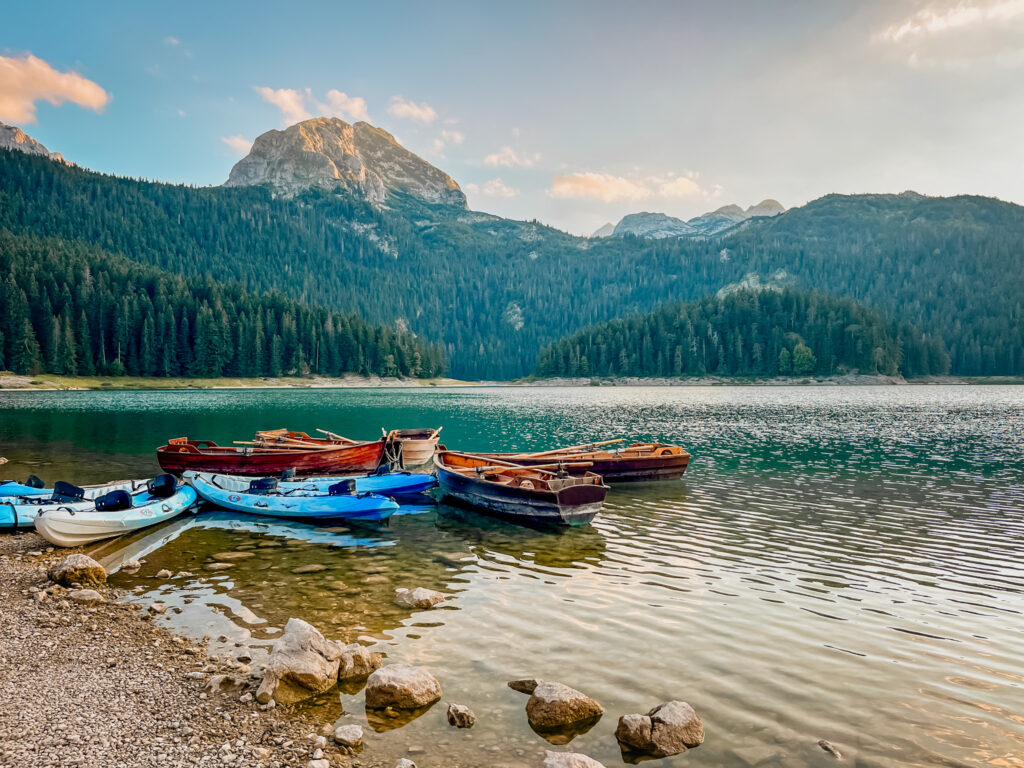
point(573, 113)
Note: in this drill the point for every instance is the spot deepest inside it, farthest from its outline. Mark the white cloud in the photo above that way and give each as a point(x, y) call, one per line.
point(238, 144)
point(342, 105)
point(936, 20)
point(410, 110)
point(610, 188)
point(171, 40)
point(507, 157)
point(447, 137)
point(292, 103)
point(27, 79)
point(493, 188)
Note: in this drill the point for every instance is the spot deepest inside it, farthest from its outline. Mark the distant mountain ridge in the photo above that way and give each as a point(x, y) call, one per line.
point(12, 137)
point(328, 153)
point(656, 226)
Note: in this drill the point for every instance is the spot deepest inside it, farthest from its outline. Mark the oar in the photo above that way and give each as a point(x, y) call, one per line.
point(570, 449)
point(335, 437)
point(435, 433)
point(509, 465)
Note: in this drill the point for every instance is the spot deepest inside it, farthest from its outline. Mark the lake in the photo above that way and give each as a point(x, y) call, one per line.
point(840, 563)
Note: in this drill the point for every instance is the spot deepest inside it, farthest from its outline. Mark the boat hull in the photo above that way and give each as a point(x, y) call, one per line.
point(358, 508)
point(612, 469)
point(574, 505)
point(390, 484)
point(63, 526)
point(178, 458)
point(20, 512)
point(418, 445)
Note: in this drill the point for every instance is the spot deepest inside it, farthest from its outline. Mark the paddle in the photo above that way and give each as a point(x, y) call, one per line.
point(584, 447)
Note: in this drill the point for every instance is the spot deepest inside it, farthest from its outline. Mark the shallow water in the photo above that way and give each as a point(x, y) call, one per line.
point(839, 563)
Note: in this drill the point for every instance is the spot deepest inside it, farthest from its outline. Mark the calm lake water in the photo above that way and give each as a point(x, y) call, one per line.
point(839, 563)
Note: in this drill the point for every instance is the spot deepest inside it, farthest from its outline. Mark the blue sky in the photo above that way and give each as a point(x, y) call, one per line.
point(569, 112)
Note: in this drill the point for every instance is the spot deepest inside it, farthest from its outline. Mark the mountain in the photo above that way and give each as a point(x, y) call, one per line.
point(328, 153)
point(750, 332)
point(493, 292)
point(659, 225)
point(12, 137)
point(652, 225)
point(606, 230)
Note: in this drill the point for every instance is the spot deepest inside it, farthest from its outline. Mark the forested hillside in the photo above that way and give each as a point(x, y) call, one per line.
point(493, 292)
point(70, 308)
point(748, 333)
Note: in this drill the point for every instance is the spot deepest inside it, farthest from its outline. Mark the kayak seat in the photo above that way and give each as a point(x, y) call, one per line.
point(344, 488)
point(34, 482)
point(114, 501)
point(383, 469)
point(162, 486)
point(263, 486)
point(67, 492)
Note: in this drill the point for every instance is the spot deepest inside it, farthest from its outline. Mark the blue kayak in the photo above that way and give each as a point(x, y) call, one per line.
point(12, 488)
point(387, 484)
point(261, 497)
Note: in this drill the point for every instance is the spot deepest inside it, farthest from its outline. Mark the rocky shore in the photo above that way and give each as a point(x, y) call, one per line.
point(96, 684)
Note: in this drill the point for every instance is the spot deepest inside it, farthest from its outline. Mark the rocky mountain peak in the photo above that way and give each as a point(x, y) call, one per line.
point(329, 153)
point(767, 207)
point(12, 137)
point(652, 225)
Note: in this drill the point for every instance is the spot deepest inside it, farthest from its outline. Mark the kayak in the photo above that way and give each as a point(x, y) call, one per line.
point(10, 489)
point(19, 511)
point(67, 521)
point(388, 484)
point(262, 497)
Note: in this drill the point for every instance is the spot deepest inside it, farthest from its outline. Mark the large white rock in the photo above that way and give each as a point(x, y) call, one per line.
point(302, 664)
point(668, 729)
point(78, 569)
point(554, 705)
point(357, 662)
point(569, 760)
point(348, 736)
point(401, 686)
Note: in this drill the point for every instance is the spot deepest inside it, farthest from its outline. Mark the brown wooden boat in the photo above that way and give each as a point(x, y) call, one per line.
point(182, 454)
point(418, 445)
point(640, 461)
point(523, 494)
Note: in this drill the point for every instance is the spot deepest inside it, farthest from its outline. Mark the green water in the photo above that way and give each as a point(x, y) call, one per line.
point(839, 563)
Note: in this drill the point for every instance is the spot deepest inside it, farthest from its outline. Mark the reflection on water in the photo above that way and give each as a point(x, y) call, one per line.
point(839, 563)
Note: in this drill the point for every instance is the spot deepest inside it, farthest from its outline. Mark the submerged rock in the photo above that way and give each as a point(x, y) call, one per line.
point(311, 568)
point(460, 716)
point(405, 763)
point(401, 686)
point(219, 566)
point(163, 573)
point(524, 686)
point(420, 597)
point(666, 730)
point(569, 760)
point(554, 705)
point(78, 569)
point(829, 747)
point(357, 662)
point(131, 566)
point(303, 663)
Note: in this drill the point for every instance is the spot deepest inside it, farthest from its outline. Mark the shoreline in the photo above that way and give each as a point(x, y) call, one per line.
point(10, 382)
point(101, 684)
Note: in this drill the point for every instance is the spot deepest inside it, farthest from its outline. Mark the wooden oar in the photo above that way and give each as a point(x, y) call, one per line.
point(570, 449)
point(435, 433)
point(509, 465)
point(336, 437)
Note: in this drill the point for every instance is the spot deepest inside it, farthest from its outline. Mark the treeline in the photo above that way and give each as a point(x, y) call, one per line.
point(493, 292)
point(768, 333)
point(68, 308)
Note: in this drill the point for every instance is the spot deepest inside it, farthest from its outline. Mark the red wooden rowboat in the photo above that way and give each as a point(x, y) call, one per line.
point(640, 461)
point(182, 454)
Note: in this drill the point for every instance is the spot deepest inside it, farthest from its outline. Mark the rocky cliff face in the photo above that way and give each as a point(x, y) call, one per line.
point(12, 137)
point(329, 153)
point(659, 225)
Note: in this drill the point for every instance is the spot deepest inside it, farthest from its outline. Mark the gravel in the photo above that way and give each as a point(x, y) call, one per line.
point(96, 684)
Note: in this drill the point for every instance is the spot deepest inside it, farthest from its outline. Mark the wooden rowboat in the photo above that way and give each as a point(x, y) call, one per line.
point(523, 494)
point(418, 445)
point(640, 461)
point(181, 455)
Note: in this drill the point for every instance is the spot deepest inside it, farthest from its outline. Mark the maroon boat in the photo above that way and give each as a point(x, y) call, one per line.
point(640, 461)
point(182, 454)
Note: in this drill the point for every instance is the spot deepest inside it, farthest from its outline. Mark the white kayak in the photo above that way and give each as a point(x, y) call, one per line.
point(70, 520)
